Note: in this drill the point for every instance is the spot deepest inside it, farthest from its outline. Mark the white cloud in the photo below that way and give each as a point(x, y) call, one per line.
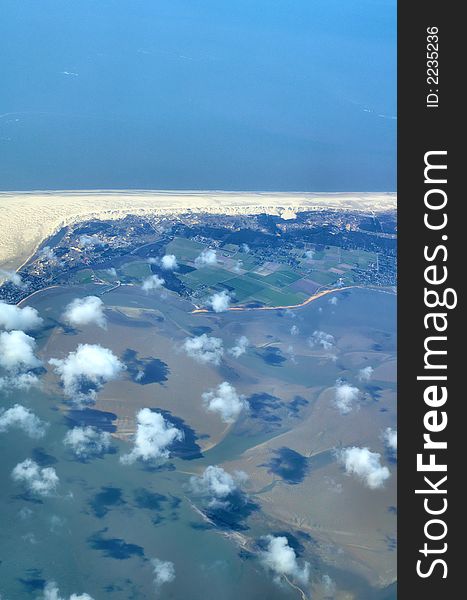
point(12, 277)
point(85, 442)
point(169, 262)
point(90, 240)
point(217, 484)
point(14, 317)
point(334, 300)
point(153, 282)
point(220, 301)
point(345, 395)
point(309, 254)
point(19, 381)
point(22, 418)
point(204, 349)
point(154, 436)
point(51, 592)
point(329, 586)
point(238, 268)
point(206, 258)
point(390, 439)
point(281, 559)
point(365, 465)
point(40, 481)
point(112, 272)
point(321, 338)
point(294, 330)
point(17, 352)
point(365, 373)
point(164, 572)
point(241, 346)
point(226, 401)
point(49, 255)
point(85, 371)
point(84, 311)
point(246, 248)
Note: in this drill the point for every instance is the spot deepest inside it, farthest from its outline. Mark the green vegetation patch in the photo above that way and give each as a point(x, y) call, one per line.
point(279, 298)
point(84, 276)
point(136, 269)
point(242, 287)
point(281, 278)
point(185, 249)
point(209, 276)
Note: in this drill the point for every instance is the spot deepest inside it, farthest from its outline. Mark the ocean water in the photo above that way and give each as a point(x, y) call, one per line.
point(207, 94)
point(107, 521)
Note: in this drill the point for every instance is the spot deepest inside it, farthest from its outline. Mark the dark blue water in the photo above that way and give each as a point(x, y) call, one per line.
point(205, 94)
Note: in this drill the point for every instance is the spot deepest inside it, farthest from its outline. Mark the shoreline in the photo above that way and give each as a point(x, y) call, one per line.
point(29, 218)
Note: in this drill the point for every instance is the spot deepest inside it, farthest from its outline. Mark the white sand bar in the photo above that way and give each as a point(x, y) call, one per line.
point(28, 218)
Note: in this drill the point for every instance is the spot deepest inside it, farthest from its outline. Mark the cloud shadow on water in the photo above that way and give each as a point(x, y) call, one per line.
point(108, 498)
point(91, 417)
point(187, 448)
point(289, 465)
point(114, 547)
point(272, 356)
point(145, 370)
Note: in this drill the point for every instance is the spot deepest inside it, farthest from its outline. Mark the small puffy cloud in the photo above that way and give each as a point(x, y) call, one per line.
point(154, 435)
point(321, 338)
point(14, 317)
point(41, 481)
point(329, 586)
point(238, 268)
point(365, 465)
point(22, 418)
point(219, 302)
point(164, 572)
point(365, 374)
point(52, 592)
point(153, 282)
point(334, 300)
point(49, 255)
point(216, 485)
point(17, 352)
point(294, 330)
point(112, 272)
point(169, 262)
point(86, 442)
point(281, 559)
point(85, 311)
point(86, 241)
point(246, 248)
point(85, 371)
point(204, 349)
point(226, 401)
point(345, 395)
point(241, 346)
point(19, 381)
point(309, 254)
point(206, 258)
point(390, 439)
point(12, 277)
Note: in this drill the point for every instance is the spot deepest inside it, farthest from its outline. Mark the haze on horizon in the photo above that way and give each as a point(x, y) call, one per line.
point(159, 94)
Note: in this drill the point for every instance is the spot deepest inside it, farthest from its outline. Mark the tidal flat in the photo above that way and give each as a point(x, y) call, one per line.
point(108, 520)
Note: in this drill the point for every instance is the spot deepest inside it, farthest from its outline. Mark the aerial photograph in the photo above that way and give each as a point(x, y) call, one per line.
point(198, 252)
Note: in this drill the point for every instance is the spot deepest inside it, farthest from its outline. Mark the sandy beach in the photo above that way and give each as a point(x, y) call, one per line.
point(28, 218)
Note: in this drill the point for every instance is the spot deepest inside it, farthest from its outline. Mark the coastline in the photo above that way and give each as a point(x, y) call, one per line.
point(29, 218)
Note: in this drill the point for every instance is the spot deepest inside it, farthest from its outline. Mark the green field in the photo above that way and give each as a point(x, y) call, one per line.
point(184, 249)
point(207, 276)
point(136, 269)
point(273, 289)
point(84, 276)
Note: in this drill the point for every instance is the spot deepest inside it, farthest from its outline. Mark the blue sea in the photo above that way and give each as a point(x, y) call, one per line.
point(295, 95)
